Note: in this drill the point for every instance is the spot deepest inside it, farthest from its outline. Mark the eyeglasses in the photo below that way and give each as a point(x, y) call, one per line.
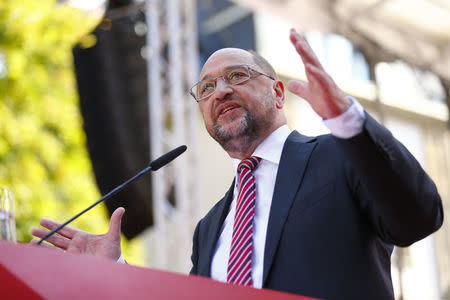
point(233, 76)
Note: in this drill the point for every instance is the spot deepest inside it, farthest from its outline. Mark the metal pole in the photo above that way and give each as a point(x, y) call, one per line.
point(177, 104)
point(156, 142)
point(192, 73)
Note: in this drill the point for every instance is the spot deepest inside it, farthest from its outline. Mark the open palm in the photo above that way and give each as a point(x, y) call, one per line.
point(78, 241)
point(321, 92)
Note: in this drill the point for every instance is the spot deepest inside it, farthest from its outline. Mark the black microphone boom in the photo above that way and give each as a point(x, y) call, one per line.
point(154, 165)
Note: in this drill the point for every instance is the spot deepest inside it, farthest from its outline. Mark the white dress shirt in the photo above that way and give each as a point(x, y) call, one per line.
point(346, 125)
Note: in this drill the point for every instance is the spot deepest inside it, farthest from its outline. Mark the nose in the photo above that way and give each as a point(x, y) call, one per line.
point(222, 89)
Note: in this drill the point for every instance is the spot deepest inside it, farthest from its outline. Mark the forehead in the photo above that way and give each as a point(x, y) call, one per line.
point(224, 58)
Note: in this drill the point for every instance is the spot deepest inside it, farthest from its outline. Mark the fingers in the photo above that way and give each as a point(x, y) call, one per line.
point(298, 87)
point(323, 81)
point(315, 77)
point(34, 243)
point(306, 53)
point(66, 231)
point(319, 77)
point(115, 223)
point(56, 240)
point(330, 101)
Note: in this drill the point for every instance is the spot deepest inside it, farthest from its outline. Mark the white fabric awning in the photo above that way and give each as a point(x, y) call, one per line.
point(416, 31)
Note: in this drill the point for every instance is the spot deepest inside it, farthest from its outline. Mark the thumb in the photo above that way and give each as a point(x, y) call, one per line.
point(298, 87)
point(115, 223)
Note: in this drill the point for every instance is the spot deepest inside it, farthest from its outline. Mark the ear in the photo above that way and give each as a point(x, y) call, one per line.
point(280, 99)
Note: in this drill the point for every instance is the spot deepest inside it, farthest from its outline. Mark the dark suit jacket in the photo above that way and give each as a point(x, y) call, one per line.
point(338, 208)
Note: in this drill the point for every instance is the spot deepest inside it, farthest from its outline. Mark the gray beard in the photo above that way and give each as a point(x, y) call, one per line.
point(249, 131)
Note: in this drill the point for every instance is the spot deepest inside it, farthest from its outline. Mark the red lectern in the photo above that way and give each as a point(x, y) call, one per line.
point(31, 272)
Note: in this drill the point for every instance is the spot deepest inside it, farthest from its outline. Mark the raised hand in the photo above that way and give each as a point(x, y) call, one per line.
point(78, 241)
point(321, 92)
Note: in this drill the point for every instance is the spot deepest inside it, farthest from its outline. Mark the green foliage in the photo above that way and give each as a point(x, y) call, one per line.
point(43, 156)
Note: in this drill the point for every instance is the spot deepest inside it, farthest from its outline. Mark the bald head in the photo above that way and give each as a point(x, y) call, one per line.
point(236, 56)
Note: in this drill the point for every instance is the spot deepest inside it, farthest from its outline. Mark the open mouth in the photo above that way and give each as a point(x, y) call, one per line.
point(227, 109)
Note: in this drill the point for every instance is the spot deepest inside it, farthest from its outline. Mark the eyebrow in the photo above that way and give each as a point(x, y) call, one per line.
point(208, 76)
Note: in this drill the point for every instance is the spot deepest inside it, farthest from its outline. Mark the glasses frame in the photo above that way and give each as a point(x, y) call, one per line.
point(250, 71)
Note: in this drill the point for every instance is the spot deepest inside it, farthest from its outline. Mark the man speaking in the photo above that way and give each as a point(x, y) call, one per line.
point(317, 216)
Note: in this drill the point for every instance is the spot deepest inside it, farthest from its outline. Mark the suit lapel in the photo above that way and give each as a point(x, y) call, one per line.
point(294, 158)
point(215, 228)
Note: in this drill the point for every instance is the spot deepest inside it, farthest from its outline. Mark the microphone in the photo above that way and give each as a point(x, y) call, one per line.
point(154, 166)
point(167, 158)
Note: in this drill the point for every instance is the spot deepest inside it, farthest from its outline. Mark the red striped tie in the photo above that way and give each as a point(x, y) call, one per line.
point(240, 261)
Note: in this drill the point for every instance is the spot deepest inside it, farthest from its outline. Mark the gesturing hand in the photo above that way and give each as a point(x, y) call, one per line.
point(77, 241)
point(324, 96)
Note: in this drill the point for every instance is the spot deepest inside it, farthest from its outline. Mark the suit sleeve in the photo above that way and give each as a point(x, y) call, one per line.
point(398, 196)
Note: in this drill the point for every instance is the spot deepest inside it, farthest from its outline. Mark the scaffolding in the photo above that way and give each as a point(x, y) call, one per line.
point(172, 62)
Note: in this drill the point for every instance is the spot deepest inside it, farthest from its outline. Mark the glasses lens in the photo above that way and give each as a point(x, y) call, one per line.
point(233, 76)
point(237, 75)
point(204, 88)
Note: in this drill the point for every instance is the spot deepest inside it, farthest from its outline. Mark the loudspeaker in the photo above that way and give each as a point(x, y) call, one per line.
point(112, 85)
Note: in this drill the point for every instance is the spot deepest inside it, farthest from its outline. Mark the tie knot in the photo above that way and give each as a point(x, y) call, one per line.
point(249, 163)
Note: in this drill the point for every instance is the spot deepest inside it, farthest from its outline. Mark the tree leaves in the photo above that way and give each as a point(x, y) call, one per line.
point(43, 157)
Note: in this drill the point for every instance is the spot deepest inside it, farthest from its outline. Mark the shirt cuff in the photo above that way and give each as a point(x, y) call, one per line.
point(349, 123)
point(121, 260)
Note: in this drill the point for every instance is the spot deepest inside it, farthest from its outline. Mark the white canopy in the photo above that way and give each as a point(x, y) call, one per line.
point(416, 31)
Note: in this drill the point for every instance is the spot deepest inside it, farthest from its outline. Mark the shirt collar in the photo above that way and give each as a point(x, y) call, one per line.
point(271, 147)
